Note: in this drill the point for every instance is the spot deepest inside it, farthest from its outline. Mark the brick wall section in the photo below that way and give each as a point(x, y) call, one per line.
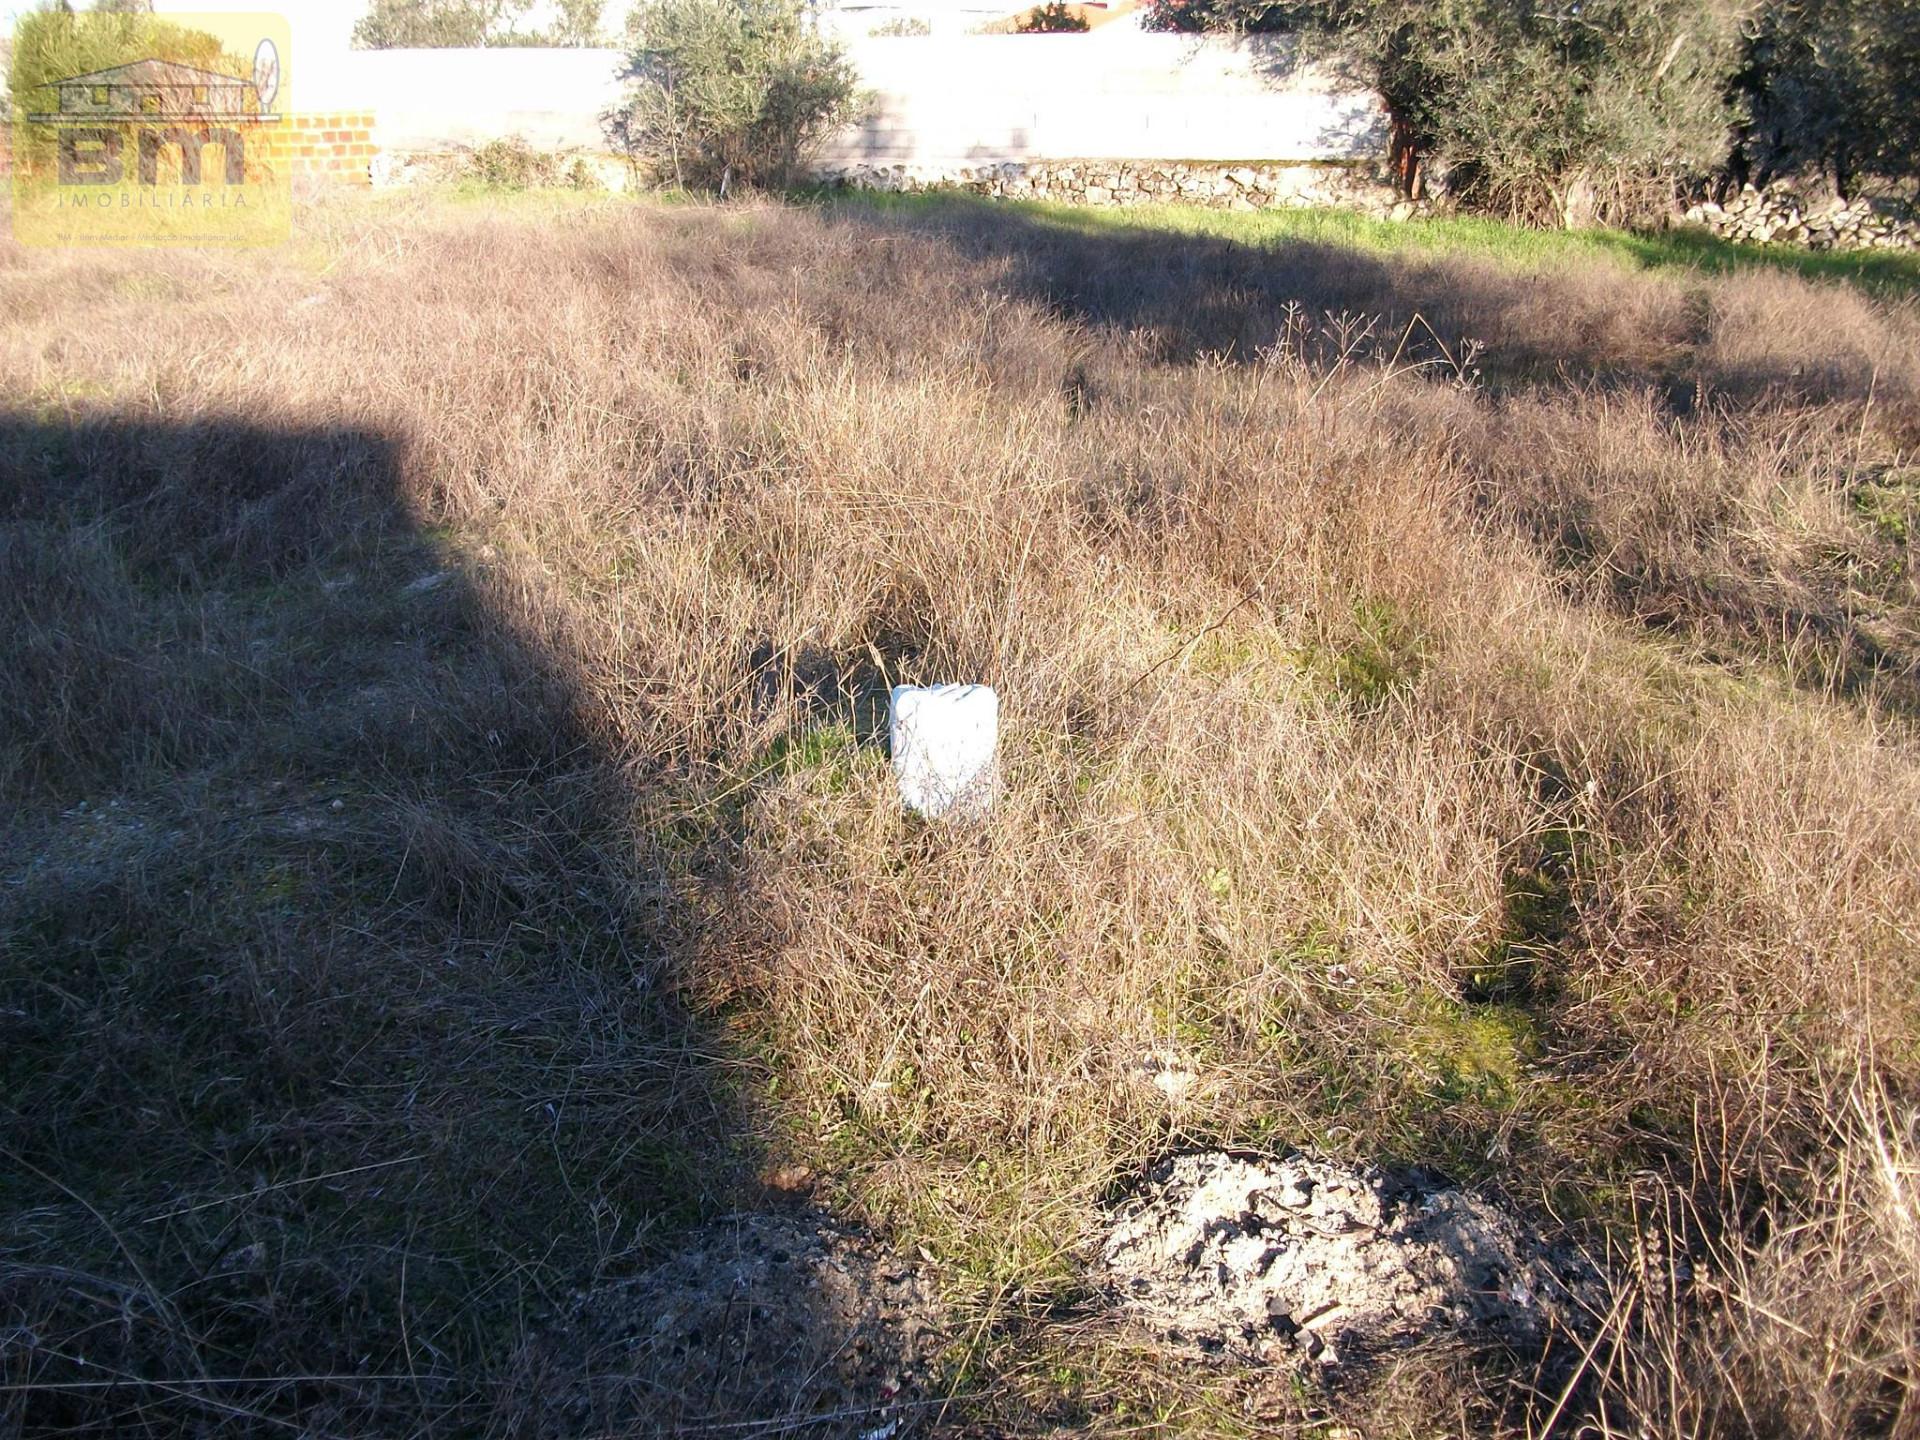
point(336, 146)
point(330, 145)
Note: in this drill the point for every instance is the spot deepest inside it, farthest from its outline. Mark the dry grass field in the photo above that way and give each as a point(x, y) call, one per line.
point(1463, 711)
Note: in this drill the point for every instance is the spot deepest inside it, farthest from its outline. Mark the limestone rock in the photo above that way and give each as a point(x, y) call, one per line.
point(1306, 1260)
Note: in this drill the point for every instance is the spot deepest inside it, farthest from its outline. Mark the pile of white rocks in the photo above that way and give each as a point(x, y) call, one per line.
point(1777, 216)
point(1144, 182)
point(1305, 1260)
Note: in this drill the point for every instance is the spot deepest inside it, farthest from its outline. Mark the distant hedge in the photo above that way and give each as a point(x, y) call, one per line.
point(467, 24)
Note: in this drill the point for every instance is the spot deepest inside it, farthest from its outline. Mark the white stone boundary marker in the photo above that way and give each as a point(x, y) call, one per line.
point(943, 739)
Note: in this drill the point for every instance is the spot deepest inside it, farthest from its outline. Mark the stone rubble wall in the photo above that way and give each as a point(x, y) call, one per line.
point(1777, 216)
point(1365, 188)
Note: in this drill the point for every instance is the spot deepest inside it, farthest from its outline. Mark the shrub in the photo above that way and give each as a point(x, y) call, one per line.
point(512, 164)
point(731, 90)
point(1189, 17)
point(1052, 18)
point(901, 26)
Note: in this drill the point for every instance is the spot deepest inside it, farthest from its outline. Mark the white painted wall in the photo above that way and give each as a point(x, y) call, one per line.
point(425, 100)
point(1114, 94)
point(936, 101)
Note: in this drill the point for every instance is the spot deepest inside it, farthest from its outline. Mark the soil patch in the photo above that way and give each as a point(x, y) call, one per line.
point(761, 1324)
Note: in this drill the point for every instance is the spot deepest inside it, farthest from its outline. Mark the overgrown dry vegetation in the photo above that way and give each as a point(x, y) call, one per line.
point(1464, 715)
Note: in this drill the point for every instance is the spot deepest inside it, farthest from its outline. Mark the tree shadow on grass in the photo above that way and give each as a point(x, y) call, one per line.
point(1204, 295)
point(1890, 272)
point(1563, 333)
point(338, 1038)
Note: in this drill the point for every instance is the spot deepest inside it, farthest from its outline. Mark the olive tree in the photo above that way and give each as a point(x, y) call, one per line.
point(727, 92)
point(1577, 109)
point(1834, 86)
